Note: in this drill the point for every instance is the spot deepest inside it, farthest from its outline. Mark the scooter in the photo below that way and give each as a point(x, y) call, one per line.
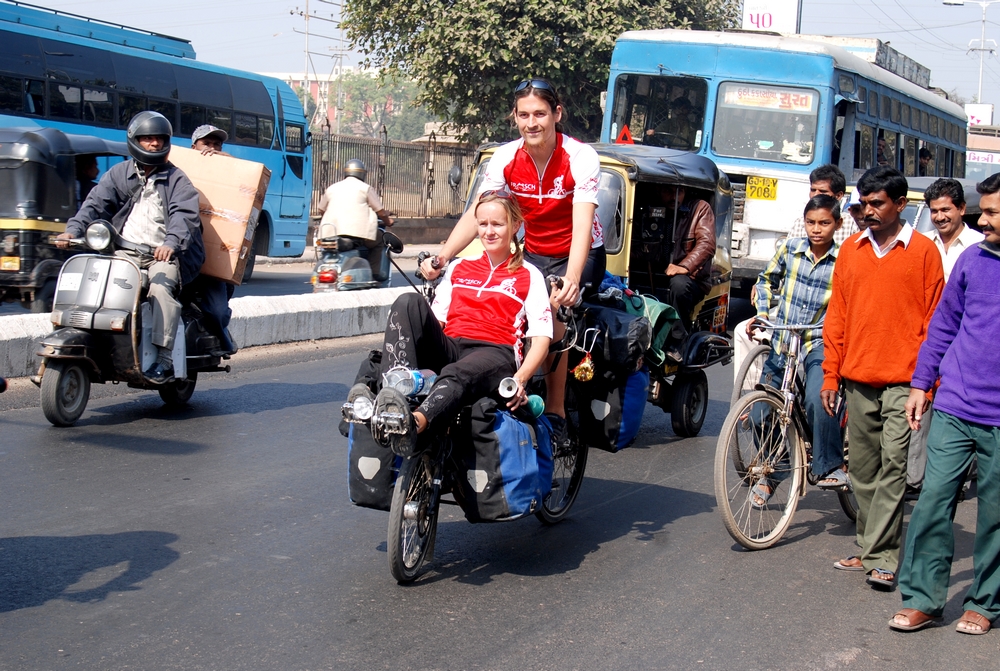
point(104, 325)
point(345, 264)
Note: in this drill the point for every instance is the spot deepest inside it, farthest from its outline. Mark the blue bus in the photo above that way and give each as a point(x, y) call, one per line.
point(89, 77)
point(768, 109)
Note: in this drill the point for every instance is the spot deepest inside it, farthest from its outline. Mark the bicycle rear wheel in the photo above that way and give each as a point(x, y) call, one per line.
point(568, 463)
point(754, 448)
point(748, 376)
point(847, 499)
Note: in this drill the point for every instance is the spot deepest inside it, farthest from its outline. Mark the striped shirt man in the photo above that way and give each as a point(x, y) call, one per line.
point(803, 285)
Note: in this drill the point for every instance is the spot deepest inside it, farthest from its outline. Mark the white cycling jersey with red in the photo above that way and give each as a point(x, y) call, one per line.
point(484, 302)
point(572, 175)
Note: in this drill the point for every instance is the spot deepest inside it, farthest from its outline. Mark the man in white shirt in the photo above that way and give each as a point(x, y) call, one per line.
point(946, 200)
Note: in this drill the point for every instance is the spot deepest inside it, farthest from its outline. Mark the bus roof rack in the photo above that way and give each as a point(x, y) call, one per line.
point(15, 11)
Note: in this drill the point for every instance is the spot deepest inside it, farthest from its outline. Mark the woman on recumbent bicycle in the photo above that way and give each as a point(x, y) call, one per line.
point(471, 336)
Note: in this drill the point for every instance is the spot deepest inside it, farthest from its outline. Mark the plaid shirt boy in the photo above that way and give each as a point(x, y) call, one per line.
point(805, 294)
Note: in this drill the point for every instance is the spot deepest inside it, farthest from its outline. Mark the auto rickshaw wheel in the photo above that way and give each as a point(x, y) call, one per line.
point(65, 392)
point(42, 301)
point(690, 403)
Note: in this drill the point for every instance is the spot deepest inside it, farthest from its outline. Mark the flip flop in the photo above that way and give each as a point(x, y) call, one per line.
point(972, 617)
point(881, 579)
point(841, 564)
point(839, 479)
point(917, 618)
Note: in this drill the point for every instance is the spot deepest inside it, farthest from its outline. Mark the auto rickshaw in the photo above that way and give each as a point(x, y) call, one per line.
point(629, 210)
point(42, 172)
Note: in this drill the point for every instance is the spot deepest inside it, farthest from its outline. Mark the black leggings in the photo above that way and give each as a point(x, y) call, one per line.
point(467, 369)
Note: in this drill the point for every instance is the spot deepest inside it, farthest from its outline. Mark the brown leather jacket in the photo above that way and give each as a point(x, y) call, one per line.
point(694, 242)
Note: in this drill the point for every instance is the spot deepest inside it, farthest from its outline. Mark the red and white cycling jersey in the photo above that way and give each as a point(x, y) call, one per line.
point(572, 175)
point(479, 301)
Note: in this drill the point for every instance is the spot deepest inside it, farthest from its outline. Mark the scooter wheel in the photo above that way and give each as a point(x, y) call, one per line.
point(65, 392)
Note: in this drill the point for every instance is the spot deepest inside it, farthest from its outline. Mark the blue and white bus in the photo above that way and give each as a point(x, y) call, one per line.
point(769, 109)
point(89, 77)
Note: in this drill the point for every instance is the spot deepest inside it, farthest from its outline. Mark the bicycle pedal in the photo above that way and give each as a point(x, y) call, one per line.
point(392, 423)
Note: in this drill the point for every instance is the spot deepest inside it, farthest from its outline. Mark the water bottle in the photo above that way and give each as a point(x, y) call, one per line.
point(409, 382)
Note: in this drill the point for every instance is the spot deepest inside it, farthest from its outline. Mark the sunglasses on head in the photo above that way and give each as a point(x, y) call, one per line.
point(535, 84)
point(503, 194)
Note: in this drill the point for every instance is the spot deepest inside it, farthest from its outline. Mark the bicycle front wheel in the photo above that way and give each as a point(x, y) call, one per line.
point(748, 376)
point(412, 518)
point(755, 452)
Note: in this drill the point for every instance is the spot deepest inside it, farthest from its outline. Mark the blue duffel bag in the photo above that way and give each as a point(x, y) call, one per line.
point(505, 467)
point(611, 408)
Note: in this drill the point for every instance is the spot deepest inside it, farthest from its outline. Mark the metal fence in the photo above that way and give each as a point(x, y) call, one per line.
point(411, 177)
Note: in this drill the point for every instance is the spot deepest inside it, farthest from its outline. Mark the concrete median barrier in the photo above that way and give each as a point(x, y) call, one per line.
point(257, 320)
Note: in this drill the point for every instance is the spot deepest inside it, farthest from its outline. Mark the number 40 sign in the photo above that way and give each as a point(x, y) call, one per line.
point(778, 16)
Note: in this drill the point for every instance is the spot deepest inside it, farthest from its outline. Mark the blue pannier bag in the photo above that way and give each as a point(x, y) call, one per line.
point(371, 469)
point(611, 409)
point(505, 469)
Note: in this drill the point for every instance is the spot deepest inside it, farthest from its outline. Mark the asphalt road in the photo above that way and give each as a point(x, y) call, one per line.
point(221, 537)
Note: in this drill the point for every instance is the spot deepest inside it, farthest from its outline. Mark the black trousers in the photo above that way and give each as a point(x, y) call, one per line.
point(683, 293)
point(467, 369)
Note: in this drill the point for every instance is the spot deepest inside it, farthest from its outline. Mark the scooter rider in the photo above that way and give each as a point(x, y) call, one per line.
point(149, 201)
point(355, 213)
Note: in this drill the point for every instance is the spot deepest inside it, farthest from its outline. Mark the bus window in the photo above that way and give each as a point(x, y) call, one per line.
point(661, 111)
point(941, 162)
point(192, 116)
point(904, 117)
point(166, 108)
point(98, 107)
point(79, 64)
point(294, 140)
point(925, 124)
point(21, 54)
point(886, 154)
point(959, 165)
point(128, 107)
point(864, 140)
point(934, 126)
point(34, 97)
point(909, 156)
point(222, 119)
point(11, 94)
point(886, 105)
point(201, 87)
point(765, 122)
point(245, 129)
point(64, 101)
point(251, 96)
point(873, 104)
point(895, 111)
point(930, 168)
point(265, 131)
point(863, 98)
point(145, 76)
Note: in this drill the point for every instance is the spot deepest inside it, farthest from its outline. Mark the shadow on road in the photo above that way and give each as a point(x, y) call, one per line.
point(36, 569)
point(607, 510)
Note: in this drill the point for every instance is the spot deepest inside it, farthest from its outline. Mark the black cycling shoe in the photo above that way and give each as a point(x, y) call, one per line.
point(159, 372)
point(393, 425)
point(560, 436)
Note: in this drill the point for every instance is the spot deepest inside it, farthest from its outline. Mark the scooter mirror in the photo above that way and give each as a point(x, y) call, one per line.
point(99, 235)
point(392, 241)
point(454, 176)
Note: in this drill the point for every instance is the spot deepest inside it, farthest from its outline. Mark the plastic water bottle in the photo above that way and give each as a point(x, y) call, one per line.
point(409, 382)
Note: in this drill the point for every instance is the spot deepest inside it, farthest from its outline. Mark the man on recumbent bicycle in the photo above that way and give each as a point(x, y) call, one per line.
point(470, 337)
point(805, 267)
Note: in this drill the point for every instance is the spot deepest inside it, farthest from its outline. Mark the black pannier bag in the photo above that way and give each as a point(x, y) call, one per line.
point(371, 468)
point(622, 338)
point(611, 408)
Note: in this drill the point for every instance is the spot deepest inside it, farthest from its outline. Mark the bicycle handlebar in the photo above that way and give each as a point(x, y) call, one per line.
point(788, 327)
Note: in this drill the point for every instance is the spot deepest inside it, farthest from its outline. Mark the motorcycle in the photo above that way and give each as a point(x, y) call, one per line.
point(346, 264)
point(104, 331)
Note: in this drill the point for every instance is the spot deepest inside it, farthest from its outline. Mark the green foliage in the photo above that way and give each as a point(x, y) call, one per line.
point(370, 102)
point(468, 55)
point(308, 104)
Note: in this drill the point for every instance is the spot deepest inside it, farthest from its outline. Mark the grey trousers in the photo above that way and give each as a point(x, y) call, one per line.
point(164, 285)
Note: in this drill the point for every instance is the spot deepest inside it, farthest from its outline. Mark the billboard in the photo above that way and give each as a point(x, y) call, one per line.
point(980, 114)
point(777, 16)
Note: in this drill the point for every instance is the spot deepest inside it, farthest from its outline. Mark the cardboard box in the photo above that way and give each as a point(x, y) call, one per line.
point(231, 197)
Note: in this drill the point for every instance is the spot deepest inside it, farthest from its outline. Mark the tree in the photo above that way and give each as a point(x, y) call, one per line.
point(308, 104)
point(370, 102)
point(468, 55)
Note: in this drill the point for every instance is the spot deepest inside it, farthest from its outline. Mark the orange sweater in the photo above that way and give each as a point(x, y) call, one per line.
point(879, 311)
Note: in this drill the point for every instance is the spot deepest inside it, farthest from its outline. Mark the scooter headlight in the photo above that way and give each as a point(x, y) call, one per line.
point(99, 236)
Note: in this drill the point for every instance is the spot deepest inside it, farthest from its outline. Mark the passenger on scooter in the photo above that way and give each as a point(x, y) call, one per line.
point(352, 209)
point(471, 336)
point(150, 202)
point(214, 293)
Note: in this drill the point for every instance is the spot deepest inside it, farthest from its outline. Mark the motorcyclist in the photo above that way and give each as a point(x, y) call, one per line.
point(355, 214)
point(151, 202)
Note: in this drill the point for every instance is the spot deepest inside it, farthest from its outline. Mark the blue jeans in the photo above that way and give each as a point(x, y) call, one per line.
point(827, 440)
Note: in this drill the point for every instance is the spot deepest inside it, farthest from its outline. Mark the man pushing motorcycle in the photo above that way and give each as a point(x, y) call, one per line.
point(150, 202)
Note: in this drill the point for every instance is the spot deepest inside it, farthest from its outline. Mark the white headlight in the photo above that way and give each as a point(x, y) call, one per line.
point(363, 408)
point(98, 237)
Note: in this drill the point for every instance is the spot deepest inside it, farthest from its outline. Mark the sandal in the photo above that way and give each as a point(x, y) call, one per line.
point(835, 479)
point(760, 496)
point(852, 563)
point(881, 579)
point(917, 620)
point(971, 617)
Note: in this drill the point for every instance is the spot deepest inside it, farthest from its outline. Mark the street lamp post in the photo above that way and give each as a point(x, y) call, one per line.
point(982, 49)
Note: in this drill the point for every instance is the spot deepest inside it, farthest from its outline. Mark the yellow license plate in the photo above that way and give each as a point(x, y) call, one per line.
point(10, 263)
point(762, 188)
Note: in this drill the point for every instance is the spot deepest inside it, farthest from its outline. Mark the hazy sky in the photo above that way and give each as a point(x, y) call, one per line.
point(260, 35)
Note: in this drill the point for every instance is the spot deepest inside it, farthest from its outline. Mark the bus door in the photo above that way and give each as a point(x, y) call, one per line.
point(293, 182)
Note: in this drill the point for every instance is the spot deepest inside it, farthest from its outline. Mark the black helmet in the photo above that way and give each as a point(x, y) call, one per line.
point(356, 168)
point(149, 123)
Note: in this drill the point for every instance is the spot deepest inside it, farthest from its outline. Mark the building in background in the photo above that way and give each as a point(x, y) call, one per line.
point(319, 88)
